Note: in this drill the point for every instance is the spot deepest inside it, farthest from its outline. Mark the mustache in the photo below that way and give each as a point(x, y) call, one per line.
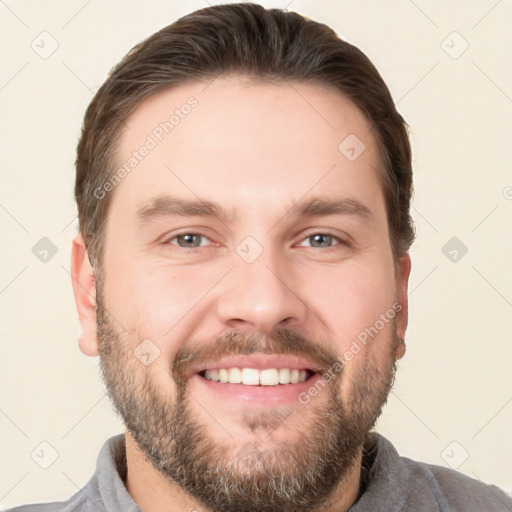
point(284, 341)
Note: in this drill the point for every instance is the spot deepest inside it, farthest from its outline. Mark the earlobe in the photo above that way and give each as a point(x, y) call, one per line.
point(400, 349)
point(403, 271)
point(84, 289)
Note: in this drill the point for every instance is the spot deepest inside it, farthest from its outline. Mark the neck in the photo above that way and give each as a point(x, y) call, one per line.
point(149, 488)
point(153, 492)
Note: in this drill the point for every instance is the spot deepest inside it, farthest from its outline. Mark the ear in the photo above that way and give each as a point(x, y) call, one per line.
point(402, 272)
point(84, 289)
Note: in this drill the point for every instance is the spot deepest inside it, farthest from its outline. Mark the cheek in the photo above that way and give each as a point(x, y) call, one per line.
point(359, 302)
point(352, 297)
point(162, 303)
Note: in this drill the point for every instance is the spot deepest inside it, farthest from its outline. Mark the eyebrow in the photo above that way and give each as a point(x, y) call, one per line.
point(164, 206)
point(321, 207)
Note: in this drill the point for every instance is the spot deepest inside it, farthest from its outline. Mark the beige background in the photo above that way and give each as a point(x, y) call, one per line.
point(453, 397)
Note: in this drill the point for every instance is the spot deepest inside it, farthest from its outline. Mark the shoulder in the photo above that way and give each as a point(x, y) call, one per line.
point(458, 491)
point(404, 484)
point(105, 489)
point(76, 503)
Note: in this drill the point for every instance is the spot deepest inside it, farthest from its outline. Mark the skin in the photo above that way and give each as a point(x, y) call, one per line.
point(257, 149)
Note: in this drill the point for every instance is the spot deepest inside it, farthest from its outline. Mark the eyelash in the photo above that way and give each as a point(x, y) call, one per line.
point(339, 241)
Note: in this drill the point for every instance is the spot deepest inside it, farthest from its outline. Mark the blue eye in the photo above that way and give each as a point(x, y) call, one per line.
point(189, 240)
point(321, 240)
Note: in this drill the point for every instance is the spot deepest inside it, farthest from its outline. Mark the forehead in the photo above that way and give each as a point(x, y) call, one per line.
point(241, 143)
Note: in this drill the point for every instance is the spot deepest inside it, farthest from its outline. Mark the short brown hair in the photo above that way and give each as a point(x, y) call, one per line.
point(249, 40)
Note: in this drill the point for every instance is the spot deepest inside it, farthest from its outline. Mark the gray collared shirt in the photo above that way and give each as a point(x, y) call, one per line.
point(393, 483)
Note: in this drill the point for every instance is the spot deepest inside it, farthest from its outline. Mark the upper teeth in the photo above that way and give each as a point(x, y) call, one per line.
point(254, 377)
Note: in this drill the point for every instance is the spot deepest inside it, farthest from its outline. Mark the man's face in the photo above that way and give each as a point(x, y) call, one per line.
point(252, 235)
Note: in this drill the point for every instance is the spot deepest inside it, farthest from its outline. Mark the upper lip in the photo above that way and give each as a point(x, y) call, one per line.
point(259, 361)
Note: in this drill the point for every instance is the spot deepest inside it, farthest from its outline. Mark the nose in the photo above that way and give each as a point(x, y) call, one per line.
point(262, 296)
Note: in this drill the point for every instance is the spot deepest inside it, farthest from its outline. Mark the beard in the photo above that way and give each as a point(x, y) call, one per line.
point(329, 432)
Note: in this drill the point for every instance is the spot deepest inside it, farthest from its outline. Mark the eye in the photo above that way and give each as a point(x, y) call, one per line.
point(320, 240)
point(189, 240)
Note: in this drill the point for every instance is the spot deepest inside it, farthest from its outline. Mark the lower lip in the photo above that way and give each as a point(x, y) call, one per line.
point(281, 394)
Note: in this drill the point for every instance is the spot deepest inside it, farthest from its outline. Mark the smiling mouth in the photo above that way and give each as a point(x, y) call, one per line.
point(257, 377)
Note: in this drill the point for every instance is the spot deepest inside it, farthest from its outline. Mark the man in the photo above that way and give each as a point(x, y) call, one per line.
point(243, 187)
